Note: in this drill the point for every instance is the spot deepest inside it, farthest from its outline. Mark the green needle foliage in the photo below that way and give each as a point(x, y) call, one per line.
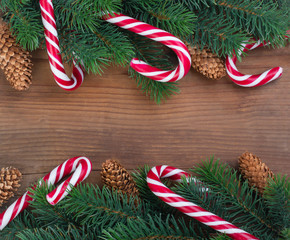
point(221, 25)
point(243, 206)
point(156, 228)
point(277, 195)
point(90, 212)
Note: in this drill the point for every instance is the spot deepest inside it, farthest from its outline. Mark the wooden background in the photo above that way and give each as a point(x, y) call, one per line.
point(109, 117)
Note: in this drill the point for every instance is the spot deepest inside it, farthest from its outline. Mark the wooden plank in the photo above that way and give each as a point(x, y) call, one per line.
point(109, 117)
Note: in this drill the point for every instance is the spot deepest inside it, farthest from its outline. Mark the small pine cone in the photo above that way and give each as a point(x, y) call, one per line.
point(206, 62)
point(115, 176)
point(9, 183)
point(253, 169)
point(14, 61)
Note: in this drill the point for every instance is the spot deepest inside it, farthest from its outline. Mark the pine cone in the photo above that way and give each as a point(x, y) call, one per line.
point(206, 62)
point(9, 183)
point(15, 62)
point(253, 169)
point(115, 176)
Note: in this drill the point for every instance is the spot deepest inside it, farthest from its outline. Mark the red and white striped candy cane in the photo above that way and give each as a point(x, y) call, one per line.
point(189, 208)
point(53, 50)
point(81, 166)
point(250, 80)
point(157, 35)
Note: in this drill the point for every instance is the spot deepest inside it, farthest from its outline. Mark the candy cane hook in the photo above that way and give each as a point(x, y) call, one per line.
point(157, 35)
point(250, 80)
point(81, 166)
point(53, 50)
point(189, 208)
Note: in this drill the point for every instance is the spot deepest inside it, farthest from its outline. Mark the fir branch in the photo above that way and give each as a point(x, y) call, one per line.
point(84, 15)
point(220, 237)
point(23, 222)
point(157, 91)
point(168, 15)
point(262, 20)
point(46, 213)
point(101, 208)
point(155, 228)
point(156, 55)
point(244, 207)
point(157, 205)
point(97, 50)
point(218, 34)
point(195, 192)
point(196, 5)
point(285, 235)
point(25, 23)
point(53, 232)
point(277, 195)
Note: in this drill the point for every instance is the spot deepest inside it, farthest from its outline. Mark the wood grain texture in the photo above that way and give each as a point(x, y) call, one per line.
point(109, 117)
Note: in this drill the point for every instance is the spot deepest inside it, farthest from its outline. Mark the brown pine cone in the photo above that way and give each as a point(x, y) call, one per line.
point(115, 176)
point(253, 169)
point(15, 61)
point(9, 183)
point(206, 62)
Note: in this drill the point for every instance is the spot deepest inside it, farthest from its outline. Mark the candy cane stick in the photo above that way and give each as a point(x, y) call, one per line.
point(189, 208)
point(157, 35)
point(52, 45)
point(81, 166)
point(250, 80)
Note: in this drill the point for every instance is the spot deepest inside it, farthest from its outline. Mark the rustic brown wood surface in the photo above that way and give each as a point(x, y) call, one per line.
point(109, 117)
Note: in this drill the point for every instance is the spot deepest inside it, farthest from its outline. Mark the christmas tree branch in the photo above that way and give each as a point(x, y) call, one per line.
point(218, 34)
point(243, 204)
point(277, 195)
point(262, 20)
point(155, 228)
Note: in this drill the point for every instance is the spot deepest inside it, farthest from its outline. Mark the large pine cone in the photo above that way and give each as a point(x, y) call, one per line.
point(115, 176)
point(15, 62)
point(253, 169)
point(206, 62)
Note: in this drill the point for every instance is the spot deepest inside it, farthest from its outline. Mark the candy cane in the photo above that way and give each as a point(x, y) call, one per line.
point(52, 45)
point(157, 35)
point(81, 166)
point(250, 80)
point(189, 208)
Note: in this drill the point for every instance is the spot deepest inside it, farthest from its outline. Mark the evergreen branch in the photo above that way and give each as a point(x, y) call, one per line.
point(46, 213)
point(100, 208)
point(53, 232)
point(106, 45)
point(195, 5)
point(218, 34)
point(25, 23)
point(147, 195)
point(285, 235)
point(170, 16)
point(243, 205)
point(277, 195)
point(156, 55)
point(22, 222)
point(158, 91)
point(155, 228)
point(84, 15)
point(262, 20)
point(220, 237)
point(195, 192)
